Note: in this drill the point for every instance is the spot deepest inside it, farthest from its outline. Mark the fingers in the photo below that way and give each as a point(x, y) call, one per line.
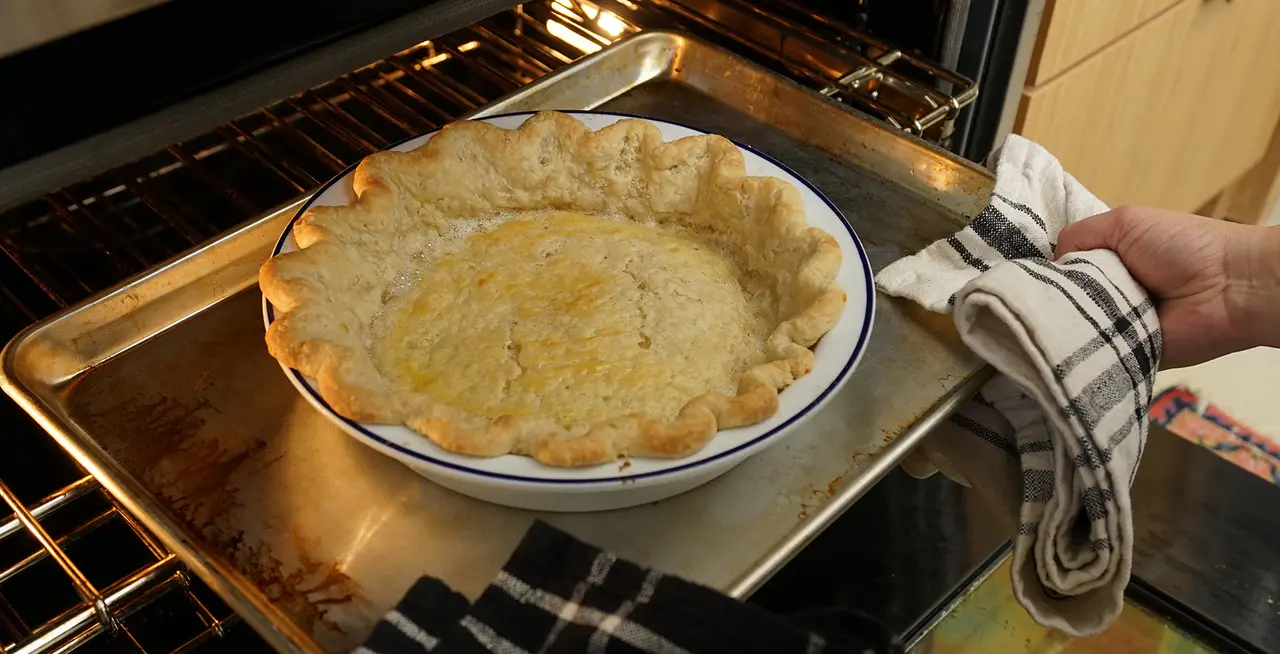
point(1094, 233)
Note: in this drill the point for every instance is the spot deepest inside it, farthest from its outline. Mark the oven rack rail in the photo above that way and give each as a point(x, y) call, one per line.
point(102, 608)
point(80, 239)
point(76, 240)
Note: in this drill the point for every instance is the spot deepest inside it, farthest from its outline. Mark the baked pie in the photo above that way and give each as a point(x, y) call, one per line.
point(550, 291)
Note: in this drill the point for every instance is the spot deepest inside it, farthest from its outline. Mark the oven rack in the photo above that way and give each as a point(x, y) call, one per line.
point(75, 241)
point(98, 607)
point(79, 239)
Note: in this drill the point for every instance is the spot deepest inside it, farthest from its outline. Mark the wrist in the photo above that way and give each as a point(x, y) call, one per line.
point(1253, 289)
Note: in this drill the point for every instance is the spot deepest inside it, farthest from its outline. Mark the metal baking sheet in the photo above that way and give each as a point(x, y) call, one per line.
point(163, 389)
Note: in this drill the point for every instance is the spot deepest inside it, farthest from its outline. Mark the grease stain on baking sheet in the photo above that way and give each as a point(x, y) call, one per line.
point(951, 381)
point(196, 474)
point(890, 435)
point(804, 511)
point(198, 479)
point(166, 421)
point(819, 496)
point(194, 478)
point(305, 593)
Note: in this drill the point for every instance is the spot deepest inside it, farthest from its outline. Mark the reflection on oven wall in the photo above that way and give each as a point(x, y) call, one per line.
point(26, 24)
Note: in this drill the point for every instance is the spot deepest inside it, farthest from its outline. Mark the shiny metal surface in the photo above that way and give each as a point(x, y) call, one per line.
point(905, 553)
point(104, 607)
point(84, 624)
point(862, 72)
point(1206, 573)
point(163, 390)
point(1207, 544)
point(83, 587)
point(12, 525)
point(990, 619)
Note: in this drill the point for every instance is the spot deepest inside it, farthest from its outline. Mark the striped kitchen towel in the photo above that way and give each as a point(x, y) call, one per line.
point(1057, 436)
point(559, 595)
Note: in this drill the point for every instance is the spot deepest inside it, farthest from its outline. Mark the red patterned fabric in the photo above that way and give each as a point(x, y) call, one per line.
point(1178, 410)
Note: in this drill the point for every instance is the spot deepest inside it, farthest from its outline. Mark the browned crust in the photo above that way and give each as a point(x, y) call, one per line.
point(326, 292)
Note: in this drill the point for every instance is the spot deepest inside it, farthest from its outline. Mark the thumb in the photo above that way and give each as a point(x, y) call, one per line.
point(1093, 233)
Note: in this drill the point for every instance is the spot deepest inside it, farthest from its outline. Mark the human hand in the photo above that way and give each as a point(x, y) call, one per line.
point(1216, 284)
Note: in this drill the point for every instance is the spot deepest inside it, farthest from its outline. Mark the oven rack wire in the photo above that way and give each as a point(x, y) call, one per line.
point(102, 608)
point(75, 241)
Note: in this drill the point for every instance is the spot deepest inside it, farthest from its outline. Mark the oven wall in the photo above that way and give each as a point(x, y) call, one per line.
point(29, 23)
point(120, 91)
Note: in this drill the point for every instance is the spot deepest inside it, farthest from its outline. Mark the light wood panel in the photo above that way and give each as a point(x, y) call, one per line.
point(1228, 96)
point(1073, 29)
point(1106, 118)
point(1252, 198)
point(1171, 114)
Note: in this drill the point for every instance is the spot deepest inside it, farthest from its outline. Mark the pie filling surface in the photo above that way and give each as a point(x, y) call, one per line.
point(574, 317)
point(570, 295)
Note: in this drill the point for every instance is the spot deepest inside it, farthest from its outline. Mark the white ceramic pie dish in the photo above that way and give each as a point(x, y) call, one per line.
point(522, 482)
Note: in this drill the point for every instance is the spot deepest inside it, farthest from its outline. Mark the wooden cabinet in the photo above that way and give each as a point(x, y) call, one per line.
point(1074, 29)
point(1172, 112)
point(1231, 81)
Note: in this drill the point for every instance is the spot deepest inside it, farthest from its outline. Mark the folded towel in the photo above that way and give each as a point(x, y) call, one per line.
point(1057, 436)
point(557, 594)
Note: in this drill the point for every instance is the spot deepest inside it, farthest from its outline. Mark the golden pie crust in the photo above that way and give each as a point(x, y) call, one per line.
point(567, 295)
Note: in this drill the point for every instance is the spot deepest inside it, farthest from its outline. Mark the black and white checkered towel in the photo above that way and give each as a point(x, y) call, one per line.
point(1058, 435)
point(557, 595)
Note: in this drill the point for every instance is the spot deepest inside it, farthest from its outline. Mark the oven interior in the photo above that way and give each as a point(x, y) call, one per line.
point(76, 571)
